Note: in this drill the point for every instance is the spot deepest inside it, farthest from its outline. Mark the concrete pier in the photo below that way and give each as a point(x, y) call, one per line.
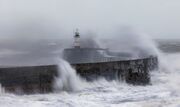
point(40, 79)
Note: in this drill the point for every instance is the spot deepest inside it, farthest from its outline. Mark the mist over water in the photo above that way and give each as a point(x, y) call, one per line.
point(131, 40)
point(70, 90)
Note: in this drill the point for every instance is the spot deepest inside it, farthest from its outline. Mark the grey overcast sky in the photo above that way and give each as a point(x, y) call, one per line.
point(31, 30)
point(157, 18)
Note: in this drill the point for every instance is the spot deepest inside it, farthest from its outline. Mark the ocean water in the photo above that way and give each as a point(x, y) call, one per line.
point(164, 91)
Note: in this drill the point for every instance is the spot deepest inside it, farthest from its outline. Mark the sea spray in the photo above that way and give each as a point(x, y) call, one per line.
point(168, 75)
point(2, 90)
point(132, 41)
point(141, 44)
point(67, 79)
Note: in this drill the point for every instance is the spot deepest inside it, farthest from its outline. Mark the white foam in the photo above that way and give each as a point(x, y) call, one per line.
point(67, 79)
point(2, 90)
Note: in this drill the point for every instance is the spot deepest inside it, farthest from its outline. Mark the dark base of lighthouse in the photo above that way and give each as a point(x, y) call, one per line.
point(40, 79)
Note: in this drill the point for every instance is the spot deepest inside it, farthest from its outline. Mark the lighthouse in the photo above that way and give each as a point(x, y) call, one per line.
point(77, 39)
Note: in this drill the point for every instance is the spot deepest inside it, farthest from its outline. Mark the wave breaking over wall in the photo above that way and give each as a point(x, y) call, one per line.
point(67, 79)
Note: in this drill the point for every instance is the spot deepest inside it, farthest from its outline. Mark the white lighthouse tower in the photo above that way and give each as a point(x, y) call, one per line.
point(77, 39)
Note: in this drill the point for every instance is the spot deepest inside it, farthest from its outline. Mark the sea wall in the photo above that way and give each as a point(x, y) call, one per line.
point(28, 79)
point(40, 79)
point(131, 71)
